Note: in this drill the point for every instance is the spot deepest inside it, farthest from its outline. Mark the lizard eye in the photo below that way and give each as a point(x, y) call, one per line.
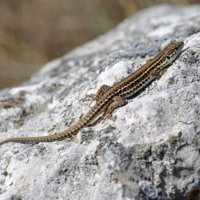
point(176, 48)
point(168, 57)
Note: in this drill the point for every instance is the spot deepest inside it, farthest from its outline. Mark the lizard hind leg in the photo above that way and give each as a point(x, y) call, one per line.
point(118, 101)
point(95, 97)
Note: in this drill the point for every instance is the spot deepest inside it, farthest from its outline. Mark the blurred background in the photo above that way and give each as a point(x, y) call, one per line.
point(33, 32)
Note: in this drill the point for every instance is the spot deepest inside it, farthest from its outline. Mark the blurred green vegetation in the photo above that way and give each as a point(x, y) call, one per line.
point(33, 32)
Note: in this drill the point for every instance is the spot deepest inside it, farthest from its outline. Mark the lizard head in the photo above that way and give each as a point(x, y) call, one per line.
point(172, 50)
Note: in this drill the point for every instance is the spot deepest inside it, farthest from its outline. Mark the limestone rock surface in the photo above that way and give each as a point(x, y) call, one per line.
point(150, 149)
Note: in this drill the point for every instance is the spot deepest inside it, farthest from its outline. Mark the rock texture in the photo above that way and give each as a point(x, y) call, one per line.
point(149, 150)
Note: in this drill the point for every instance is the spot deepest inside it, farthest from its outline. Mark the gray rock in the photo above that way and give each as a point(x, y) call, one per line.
point(149, 150)
point(148, 189)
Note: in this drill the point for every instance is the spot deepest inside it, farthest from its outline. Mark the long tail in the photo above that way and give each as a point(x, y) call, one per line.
point(85, 121)
point(50, 138)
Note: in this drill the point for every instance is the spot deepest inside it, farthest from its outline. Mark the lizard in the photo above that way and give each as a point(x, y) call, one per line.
point(109, 98)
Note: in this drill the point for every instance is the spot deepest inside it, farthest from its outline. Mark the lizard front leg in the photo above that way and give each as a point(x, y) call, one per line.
point(95, 97)
point(158, 74)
